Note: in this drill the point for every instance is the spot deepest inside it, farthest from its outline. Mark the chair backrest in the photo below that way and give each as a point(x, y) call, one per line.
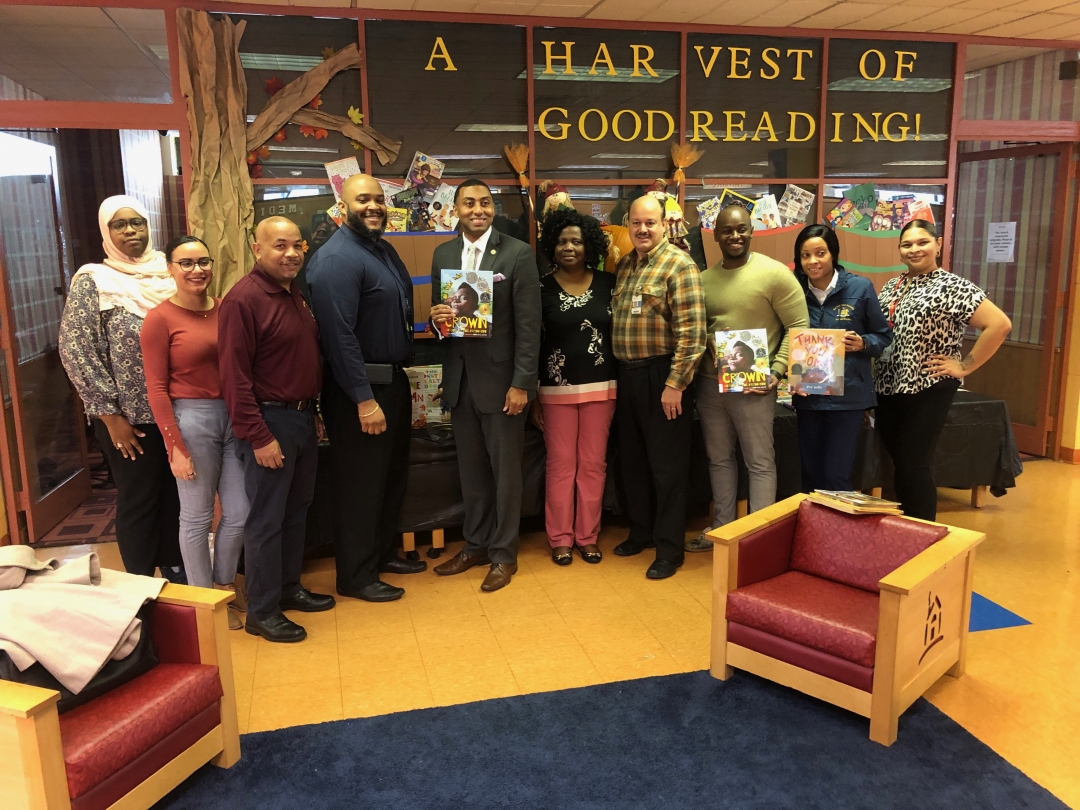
point(856, 550)
point(175, 630)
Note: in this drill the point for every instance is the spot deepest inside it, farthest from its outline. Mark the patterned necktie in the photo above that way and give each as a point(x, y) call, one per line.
point(470, 258)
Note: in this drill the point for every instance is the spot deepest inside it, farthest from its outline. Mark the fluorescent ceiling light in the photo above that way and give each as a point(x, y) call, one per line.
point(708, 182)
point(321, 149)
point(502, 128)
point(279, 61)
point(855, 84)
point(865, 174)
point(613, 156)
point(621, 75)
point(917, 163)
point(591, 166)
point(760, 163)
point(305, 192)
point(465, 157)
point(160, 51)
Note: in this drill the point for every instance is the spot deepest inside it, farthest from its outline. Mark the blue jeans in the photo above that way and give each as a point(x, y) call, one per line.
point(207, 431)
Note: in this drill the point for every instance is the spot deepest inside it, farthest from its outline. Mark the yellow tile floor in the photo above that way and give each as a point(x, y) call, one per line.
point(553, 628)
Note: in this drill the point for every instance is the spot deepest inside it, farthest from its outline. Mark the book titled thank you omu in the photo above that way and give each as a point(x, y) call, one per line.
point(468, 293)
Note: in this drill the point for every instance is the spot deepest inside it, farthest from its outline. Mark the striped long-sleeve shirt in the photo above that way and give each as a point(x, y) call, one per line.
point(672, 314)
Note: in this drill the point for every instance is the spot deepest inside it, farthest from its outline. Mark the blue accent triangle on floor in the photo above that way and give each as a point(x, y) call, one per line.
point(987, 615)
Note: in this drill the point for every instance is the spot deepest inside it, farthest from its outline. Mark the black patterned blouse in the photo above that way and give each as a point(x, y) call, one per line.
point(576, 360)
point(102, 356)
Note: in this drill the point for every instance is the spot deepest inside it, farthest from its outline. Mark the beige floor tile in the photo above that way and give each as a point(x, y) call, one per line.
point(321, 627)
point(356, 619)
point(284, 705)
point(390, 656)
point(295, 664)
point(550, 670)
point(361, 697)
point(243, 709)
point(482, 681)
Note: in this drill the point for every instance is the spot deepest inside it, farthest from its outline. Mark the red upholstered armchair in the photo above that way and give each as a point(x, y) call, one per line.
point(129, 747)
point(863, 611)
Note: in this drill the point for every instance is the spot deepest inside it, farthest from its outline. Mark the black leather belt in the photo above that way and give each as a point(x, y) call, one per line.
point(648, 361)
point(297, 405)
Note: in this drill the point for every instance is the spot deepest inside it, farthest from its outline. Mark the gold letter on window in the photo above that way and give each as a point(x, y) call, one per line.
point(440, 52)
point(549, 70)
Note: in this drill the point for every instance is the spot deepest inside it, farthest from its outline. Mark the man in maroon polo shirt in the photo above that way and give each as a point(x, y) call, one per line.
point(271, 375)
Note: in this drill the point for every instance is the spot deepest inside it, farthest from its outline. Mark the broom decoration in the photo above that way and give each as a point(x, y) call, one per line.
point(518, 155)
point(683, 155)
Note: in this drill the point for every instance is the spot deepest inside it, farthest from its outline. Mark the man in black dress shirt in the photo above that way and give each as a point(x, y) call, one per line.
point(362, 297)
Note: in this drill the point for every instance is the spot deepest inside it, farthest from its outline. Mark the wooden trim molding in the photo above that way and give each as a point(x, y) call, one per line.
point(1070, 455)
point(977, 130)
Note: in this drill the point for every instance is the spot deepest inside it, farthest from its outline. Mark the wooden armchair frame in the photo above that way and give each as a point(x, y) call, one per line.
point(922, 624)
point(32, 771)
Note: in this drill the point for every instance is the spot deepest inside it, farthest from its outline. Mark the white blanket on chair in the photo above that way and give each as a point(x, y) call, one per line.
point(73, 619)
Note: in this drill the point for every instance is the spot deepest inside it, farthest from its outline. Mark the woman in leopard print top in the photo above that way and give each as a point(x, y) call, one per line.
point(928, 309)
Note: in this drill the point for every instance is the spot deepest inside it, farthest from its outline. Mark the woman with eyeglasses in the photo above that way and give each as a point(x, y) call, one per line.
point(99, 348)
point(180, 348)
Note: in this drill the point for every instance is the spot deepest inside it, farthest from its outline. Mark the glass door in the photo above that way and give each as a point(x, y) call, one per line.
point(42, 413)
point(1011, 209)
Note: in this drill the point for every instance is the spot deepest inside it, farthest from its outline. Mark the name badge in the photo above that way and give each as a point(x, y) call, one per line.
point(635, 304)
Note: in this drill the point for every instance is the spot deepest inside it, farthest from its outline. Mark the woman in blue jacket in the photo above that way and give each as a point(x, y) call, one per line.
point(836, 299)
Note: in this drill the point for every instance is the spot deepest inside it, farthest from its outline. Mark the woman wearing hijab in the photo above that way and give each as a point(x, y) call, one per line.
point(99, 347)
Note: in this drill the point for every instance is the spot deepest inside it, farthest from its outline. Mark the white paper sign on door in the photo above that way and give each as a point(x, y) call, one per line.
point(1001, 242)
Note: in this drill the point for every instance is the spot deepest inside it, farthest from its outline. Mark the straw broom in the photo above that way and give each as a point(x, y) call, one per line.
point(518, 155)
point(683, 155)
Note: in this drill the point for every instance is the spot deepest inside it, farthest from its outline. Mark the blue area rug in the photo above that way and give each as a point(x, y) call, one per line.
point(987, 615)
point(681, 741)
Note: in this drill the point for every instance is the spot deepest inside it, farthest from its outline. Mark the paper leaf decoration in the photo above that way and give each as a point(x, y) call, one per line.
point(255, 171)
point(327, 52)
point(318, 133)
point(316, 102)
point(356, 116)
point(304, 246)
point(280, 135)
point(356, 145)
point(273, 85)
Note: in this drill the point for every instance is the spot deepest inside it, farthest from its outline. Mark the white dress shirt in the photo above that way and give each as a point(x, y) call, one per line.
point(480, 243)
point(820, 295)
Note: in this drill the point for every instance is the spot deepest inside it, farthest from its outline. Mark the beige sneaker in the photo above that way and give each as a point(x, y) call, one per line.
point(235, 610)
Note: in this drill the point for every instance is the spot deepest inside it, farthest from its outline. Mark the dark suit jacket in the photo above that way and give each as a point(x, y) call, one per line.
point(510, 356)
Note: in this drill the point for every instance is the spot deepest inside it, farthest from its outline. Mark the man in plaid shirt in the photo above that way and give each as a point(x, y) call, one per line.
point(658, 334)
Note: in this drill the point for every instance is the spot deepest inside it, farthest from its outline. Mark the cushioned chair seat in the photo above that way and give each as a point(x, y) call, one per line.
point(818, 613)
point(110, 732)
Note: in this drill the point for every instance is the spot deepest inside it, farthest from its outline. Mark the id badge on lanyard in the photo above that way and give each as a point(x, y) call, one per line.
point(635, 304)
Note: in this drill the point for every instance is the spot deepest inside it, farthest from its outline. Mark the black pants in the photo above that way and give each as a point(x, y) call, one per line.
point(147, 505)
point(909, 425)
point(274, 531)
point(490, 447)
point(654, 457)
point(370, 475)
point(828, 441)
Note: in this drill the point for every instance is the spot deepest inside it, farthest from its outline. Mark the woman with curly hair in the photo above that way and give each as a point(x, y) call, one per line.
point(576, 400)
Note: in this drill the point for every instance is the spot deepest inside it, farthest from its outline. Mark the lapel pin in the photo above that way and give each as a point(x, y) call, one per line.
point(493, 251)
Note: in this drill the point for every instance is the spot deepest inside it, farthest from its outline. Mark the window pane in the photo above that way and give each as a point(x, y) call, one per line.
point(1005, 83)
point(464, 109)
point(767, 92)
point(277, 50)
point(888, 108)
point(66, 53)
point(611, 108)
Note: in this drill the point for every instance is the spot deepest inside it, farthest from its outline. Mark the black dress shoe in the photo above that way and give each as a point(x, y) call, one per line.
point(662, 569)
point(396, 565)
point(628, 548)
point(276, 628)
point(376, 592)
point(308, 602)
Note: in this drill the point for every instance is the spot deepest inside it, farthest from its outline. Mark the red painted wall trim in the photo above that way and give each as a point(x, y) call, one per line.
point(91, 115)
point(973, 130)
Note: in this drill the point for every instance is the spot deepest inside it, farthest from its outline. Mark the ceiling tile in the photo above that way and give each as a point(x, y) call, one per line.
point(444, 5)
point(737, 12)
point(838, 15)
point(490, 7)
point(937, 19)
point(882, 19)
point(990, 4)
point(790, 12)
point(1070, 30)
point(1027, 26)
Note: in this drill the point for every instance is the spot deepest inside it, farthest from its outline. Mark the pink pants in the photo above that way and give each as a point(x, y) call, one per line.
point(576, 437)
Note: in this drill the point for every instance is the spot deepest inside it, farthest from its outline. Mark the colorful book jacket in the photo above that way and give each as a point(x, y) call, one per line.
point(766, 215)
point(816, 361)
point(425, 172)
point(742, 358)
point(442, 209)
point(795, 205)
point(397, 220)
point(729, 197)
point(468, 293)
point(339, 171)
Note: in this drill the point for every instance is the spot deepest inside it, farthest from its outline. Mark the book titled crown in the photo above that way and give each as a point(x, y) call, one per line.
point(854, 503)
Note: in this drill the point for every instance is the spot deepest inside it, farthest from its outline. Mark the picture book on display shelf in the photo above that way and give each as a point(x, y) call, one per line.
point(742, 359)
point(729, 197)
point(468, 293)
point(816, 361)
point(425, 172)
point(854, 503)
point(795, 205)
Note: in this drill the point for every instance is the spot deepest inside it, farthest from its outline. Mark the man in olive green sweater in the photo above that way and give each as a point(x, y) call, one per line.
point(744, 290)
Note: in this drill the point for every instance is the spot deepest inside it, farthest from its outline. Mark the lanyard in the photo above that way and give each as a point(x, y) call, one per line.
point(897, 298)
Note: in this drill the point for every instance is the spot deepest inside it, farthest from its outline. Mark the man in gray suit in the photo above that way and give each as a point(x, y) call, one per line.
point(488, 382)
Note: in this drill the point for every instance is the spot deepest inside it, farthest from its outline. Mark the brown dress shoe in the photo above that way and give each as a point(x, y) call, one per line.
point(460, 563)
point(499, 576)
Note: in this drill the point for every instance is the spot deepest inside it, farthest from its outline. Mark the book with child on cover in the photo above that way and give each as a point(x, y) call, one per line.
point(742, 360)
point(816, 361)
point(468, 293)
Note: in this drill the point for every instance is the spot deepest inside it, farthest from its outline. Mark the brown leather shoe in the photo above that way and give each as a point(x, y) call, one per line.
point(499, 576)
point(460, 563)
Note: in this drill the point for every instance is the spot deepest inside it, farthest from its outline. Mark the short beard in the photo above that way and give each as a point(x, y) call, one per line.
point(357, 224)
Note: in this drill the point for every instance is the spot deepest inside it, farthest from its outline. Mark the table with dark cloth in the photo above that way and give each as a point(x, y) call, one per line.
point(976, 449)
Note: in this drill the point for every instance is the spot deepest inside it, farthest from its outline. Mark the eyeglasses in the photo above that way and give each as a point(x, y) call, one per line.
point(121, 225)
point(187, 265)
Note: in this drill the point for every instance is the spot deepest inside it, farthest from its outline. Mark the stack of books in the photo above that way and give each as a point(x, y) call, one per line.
point(855, 503)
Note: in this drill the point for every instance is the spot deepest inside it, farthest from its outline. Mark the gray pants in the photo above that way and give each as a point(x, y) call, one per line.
point(207, 432)
point(747, 418)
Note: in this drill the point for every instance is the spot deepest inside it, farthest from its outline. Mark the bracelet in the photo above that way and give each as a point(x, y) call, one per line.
point(372, 413)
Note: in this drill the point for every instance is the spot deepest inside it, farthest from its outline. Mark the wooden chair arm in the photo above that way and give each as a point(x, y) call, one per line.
point(735, 531)
point(919, 568)
point(189, 596)
point(22, 700)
